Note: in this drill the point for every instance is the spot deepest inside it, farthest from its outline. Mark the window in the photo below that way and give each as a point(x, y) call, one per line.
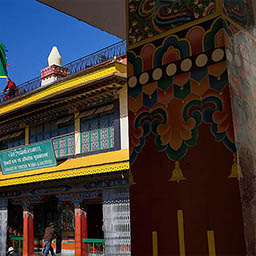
point(97, 134)
point(49, 130)
point(12, 140)
point(61, 132)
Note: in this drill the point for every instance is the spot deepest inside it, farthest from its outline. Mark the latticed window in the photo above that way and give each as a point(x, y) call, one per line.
point(97, 134)
point(12, 140)
point(64, 145)
point(61, 132)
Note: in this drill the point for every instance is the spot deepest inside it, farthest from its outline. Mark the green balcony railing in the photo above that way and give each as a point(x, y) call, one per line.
point(64, 145)
point(94, 246)
point(17, 244)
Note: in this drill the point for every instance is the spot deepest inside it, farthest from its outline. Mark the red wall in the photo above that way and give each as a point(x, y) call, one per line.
point(208, 198)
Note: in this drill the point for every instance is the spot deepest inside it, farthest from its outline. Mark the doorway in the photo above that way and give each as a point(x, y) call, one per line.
point(45, 212)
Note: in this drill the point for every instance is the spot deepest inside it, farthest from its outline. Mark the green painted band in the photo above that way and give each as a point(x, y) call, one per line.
point(92, 240)
point(67, 242)
point(20, 238)
point(17, 238)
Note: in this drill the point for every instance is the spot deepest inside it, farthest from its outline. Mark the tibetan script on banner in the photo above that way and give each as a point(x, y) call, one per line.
point(26, 158)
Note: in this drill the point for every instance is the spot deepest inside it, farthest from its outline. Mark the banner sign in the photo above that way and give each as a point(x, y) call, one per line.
point(27, 158)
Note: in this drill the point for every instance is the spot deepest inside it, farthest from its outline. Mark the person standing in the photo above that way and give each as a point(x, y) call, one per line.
point(48, 237)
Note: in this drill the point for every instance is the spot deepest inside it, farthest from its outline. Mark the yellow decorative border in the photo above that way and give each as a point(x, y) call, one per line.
point(178, 29)
point(80, 166)
point(107, 168)
point(57, 88)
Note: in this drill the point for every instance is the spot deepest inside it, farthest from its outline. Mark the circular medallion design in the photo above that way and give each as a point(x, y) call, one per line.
point(218, 55)
point(186, 65)
point(171, 69)
point(132, 81)
point(157, 74)
point(201, 60)
point(144, 77)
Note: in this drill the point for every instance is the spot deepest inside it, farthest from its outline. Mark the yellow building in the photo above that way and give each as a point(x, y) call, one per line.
point(64, 156)
point(191, 100)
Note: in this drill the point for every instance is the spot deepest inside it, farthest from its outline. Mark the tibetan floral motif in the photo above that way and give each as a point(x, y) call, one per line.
point(173, 107)
point(151, 17)
point(176, 129)
point(174, 48)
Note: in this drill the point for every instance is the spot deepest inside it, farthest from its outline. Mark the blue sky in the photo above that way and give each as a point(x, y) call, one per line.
point(29, 29)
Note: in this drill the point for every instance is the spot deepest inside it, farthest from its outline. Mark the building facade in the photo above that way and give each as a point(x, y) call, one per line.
point(65, 159)
point(191, 101)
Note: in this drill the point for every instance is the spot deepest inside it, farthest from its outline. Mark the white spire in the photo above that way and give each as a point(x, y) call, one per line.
point(54, 57)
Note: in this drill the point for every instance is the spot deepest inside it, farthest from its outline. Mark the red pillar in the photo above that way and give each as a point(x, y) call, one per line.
point(80, 232)
point(28, 233)
point(84, 232)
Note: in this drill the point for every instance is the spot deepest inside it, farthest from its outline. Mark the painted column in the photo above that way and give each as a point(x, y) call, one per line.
point(80, 218)
point(124, 125)
point(28, 223)
point(80, 231)
point(28, 233)
point(3, 225)
point(77, 133)
point(116, 221)
point(240, 51)
point(26, 135)
point(84, 232)
point(183, 153)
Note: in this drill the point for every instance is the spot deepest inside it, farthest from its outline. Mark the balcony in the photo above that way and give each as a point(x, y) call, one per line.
point(76, 66)
point(64, 145)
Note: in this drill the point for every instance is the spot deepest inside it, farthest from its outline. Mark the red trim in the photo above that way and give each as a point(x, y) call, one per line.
point(54, 70)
